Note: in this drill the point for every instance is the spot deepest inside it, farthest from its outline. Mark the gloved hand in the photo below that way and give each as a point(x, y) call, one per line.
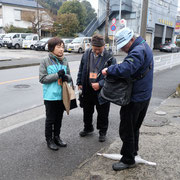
point(66, 78)
point(61, 73)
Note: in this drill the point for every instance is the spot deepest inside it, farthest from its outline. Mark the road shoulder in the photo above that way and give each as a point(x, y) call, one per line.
point(158, 144)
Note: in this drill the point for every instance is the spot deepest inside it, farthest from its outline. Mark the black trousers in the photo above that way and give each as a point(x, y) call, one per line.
point(91, 101)
point(131, 116)
point(54, 115)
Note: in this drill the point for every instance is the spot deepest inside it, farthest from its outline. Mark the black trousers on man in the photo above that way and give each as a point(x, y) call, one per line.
point(132, 116)
point(91, 101)
point(54, 115)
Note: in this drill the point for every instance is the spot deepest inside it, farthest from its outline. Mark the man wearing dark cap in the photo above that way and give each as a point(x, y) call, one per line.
point(91, 80)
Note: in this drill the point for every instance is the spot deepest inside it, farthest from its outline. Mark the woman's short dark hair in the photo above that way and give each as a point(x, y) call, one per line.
point(53, 42)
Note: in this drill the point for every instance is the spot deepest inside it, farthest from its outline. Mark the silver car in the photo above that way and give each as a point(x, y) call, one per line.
point(66, 42)
point(1, 43)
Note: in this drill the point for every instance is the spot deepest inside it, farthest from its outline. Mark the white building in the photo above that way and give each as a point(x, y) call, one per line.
point(161, 19)
point(19, 12)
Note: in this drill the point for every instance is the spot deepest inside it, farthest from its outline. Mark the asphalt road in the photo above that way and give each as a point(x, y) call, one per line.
point(20, 88)
point(23, 151)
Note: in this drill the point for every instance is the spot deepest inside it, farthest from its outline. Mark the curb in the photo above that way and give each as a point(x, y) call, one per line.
point(18, 66)
point(8, 59)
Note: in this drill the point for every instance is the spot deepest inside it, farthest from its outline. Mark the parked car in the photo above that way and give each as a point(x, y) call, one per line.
point(1, 43)
point(40, 45)
point(169, 47)
point(46, 47)
point(29, 41)
point(79, 44)
point(66, 42)
point(1, 36)
point(14, 39)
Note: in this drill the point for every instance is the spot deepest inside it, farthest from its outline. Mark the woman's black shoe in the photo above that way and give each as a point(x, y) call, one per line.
point(59, 142)
point(51, 145)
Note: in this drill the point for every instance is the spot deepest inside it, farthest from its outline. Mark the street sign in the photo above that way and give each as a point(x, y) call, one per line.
point(113, 27)
point(114, 21)
point(122, 23)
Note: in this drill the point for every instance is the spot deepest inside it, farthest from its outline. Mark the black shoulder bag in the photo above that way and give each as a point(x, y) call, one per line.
point(118, 89)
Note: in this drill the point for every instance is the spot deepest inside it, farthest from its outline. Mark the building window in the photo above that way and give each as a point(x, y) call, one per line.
point(165, 4)
point(28, 15)
point(17, 15)
point(1, 12)
point(150, 16)
point(160, 2)
point(130, 16)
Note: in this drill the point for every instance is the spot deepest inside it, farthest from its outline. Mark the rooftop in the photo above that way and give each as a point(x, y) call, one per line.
point(26, 3)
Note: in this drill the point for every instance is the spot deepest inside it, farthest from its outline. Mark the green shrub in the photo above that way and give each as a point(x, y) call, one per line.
point(13, 29)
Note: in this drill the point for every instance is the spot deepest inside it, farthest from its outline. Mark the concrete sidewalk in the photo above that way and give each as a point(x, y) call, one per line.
point(159, 142)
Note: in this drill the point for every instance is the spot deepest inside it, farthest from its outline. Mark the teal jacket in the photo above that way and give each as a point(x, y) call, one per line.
point(48, 76)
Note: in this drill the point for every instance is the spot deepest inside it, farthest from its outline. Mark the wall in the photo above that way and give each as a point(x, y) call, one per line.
point(9, 17)
point(10, 14)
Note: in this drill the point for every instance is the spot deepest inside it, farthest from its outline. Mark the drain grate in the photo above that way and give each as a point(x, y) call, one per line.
point(22, 86)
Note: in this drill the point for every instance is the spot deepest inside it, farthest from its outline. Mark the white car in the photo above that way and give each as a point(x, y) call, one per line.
point(46, 47)
point(66, 42)
point(79, 44)
point(29, 41)
point(14, 39)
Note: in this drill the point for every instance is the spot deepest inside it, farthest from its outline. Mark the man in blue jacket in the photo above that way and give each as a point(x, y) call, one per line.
point(91, 80)
point(137, 65)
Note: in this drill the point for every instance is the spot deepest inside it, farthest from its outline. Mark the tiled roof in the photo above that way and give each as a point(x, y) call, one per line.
point(26, 3)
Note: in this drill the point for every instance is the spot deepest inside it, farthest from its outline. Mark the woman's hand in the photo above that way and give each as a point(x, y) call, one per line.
point(79, 87)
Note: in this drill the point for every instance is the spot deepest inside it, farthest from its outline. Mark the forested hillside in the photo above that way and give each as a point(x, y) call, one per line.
point(52, 5)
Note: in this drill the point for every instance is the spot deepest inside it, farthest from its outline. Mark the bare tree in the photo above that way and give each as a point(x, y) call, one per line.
point(42, 20)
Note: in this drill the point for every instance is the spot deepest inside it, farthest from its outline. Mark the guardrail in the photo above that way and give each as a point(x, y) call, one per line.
point(166, 61)
point(161, 62)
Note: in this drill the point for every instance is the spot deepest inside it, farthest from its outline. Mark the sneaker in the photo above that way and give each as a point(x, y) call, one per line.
point(121, 166)
point(85, 133)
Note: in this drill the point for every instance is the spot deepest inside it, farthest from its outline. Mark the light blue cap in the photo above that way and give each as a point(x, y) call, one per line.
point(123, 36)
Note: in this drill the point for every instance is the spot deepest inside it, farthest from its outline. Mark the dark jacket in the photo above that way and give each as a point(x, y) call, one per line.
point(83, 74)
point(135, 64)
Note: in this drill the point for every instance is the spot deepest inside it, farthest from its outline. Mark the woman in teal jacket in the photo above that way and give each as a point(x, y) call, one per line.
point(53, 71)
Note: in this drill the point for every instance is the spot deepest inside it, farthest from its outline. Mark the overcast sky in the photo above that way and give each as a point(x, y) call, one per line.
point(94, 4)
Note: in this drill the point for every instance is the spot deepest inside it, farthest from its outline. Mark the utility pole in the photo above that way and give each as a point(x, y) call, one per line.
point(107, 22)
point(38, 19)
point(144, 18)
point(120, 10)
